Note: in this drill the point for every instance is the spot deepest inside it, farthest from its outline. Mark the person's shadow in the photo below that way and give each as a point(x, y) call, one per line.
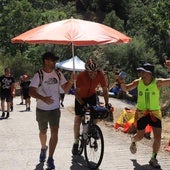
point(137, 166)
point(79, 163)
point(40, 166)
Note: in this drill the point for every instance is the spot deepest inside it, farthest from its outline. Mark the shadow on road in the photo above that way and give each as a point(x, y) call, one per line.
point(40, 166)
point(137, 166)
point(78, 163)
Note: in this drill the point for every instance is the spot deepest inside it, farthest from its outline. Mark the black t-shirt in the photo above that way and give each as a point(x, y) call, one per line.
point(6, 83)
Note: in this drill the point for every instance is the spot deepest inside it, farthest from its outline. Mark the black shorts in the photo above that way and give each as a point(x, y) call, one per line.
point(90, 100)
point(6, 96)
point(145, 120)
point(26, 94)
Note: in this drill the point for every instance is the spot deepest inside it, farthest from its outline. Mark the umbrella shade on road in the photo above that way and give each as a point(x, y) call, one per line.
point(68, 64)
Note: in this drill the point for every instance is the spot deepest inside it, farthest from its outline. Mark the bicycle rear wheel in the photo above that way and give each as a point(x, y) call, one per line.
point(94, 147)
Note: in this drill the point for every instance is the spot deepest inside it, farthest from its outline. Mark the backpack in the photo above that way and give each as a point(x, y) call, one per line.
point(40, 73)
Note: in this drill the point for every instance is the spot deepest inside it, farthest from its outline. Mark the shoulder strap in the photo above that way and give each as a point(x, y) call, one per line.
point(40, 73)
point(58, 74)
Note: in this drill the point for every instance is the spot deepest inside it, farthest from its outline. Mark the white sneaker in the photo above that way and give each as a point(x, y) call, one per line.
point(133, 148)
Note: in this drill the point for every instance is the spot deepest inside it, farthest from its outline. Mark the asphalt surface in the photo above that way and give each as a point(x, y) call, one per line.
point(20, 146)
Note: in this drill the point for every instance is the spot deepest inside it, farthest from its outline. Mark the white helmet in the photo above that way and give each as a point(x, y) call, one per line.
point(91, 65)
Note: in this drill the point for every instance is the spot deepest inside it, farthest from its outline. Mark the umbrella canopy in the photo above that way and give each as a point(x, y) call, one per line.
point(72, 31)
point(68, 64)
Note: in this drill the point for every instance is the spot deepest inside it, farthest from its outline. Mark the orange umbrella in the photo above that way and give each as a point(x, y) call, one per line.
point(72, 31)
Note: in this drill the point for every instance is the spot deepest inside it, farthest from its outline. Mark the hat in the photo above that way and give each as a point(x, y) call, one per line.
point(147, 67)
point(49, 55)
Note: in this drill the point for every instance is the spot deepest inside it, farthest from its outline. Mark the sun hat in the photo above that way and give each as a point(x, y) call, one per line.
point(147, 67)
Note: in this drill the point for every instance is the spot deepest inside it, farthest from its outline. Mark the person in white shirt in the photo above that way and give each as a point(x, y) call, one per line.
point(48, 103)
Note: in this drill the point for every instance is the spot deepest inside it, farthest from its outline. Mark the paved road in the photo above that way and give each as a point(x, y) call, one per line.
point(19, 144)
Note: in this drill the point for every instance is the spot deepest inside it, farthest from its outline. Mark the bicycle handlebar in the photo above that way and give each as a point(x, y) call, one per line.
point(97, 112)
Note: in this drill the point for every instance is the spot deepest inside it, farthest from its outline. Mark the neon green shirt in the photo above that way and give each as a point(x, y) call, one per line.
point(148, 96)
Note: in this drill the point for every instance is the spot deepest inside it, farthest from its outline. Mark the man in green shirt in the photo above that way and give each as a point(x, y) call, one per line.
point(148, 108)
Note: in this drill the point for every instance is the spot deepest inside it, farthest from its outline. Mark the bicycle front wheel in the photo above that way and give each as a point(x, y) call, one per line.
point(81, 145)
point(94, 147)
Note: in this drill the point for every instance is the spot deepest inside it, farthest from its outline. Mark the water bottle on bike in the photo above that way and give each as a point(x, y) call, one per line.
point(85, 124)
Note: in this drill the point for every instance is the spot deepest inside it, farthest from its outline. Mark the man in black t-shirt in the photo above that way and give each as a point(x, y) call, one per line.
point(7, 87)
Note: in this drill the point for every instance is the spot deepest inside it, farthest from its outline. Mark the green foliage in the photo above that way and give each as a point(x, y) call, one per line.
point(146, 22)
point(113, 21)
point(19, 65)
point(128, 57)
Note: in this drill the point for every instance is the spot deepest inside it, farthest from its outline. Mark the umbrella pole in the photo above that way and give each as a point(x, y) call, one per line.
point(73, 63)
point(73, 58)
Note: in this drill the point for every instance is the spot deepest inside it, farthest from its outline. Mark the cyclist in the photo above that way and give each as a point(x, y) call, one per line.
point(148, 108)
point(85, 93)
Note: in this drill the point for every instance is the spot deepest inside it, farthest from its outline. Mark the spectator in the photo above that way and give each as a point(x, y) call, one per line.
point(7, 83)
point(25, 90)
point(21, 92)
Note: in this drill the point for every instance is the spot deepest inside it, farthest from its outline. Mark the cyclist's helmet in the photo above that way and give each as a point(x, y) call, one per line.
point(91, 65)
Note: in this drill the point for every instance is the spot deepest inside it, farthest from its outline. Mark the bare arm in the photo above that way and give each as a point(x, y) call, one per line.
point(105, 95)
point(13, 89)
point(67, 86)
point(163, 82)
point(128, 87)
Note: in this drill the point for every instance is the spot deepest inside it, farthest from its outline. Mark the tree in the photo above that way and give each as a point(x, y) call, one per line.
point(16, 17)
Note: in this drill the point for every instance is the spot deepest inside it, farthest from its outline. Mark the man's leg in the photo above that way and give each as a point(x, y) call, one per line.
point(43, 138)
point(157, 139)
point(137, 137)
point(156, 145)
point(53, 140)
point(77, 122)
point(52, 145)
point(3, 107)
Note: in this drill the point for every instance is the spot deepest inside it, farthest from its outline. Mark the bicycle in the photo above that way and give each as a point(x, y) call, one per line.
point(91, 139)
